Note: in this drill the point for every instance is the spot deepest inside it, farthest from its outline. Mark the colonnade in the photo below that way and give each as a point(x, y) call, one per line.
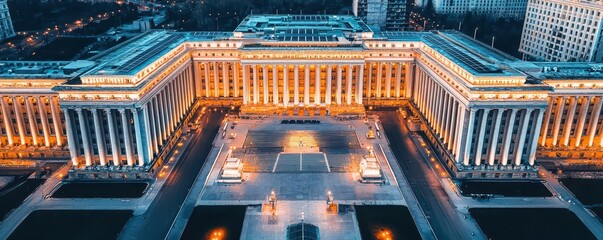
point(481, 134)
point(31, 120)
point(129, 135)
point(302, 84)
point(573, 122)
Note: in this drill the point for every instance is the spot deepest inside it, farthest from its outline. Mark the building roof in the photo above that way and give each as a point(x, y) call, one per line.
point(130, 58)
point(42, 69)
point(302, 28)
point(568, 71)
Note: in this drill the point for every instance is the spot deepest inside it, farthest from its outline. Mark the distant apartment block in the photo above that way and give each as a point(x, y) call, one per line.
point(494, 8)
point(6, 24)
point(389, 15)
point(561, 30)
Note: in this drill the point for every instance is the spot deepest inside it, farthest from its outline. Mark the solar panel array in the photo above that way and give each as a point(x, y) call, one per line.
point(148, 54)
point(304, 35)
point(461, 56)
point(398, 34)
point(309, 18)
point(306, 39)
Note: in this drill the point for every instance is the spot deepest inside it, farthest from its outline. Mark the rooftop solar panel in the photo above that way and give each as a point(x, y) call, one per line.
point(146, 55)
point(461, 56)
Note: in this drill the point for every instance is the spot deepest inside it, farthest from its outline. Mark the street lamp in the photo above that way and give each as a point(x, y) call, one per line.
point(475, 32)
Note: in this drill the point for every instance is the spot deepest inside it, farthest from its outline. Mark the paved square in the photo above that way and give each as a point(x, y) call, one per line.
point(301, 163)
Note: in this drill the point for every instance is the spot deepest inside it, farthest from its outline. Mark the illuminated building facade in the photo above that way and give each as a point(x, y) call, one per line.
point(122, 110)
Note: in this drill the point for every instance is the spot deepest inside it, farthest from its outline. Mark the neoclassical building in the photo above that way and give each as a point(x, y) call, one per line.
point(489, 115)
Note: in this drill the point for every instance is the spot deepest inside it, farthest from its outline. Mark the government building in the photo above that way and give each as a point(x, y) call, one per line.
point(116, 115)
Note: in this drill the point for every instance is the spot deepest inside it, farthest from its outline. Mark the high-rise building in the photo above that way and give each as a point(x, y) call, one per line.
point(389, 15)
point(563, 30)
point(488, 114)
point(6, 23)
point(492, 8)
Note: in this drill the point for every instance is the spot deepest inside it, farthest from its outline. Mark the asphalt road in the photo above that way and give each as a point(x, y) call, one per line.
point(155, 223)
point(424, 183)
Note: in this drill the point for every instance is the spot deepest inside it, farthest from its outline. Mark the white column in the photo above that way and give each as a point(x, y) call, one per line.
point(127, 136)
point(459, 132)
point(329, 87)
point(138, 130)
point(32, 120)
point(174, 106)
point(558, 115)
point(235, 69)
point(190, 87)
point(275, 85)
point(296, 87)
point(56, 120)
point(256, 91)
point(398, 80)
point(100, 137)
point(338, 90)
point(359, 90)
point(594, 117)
point(115, 150)
point(534, 142)
point(444, 117)
point(508, 136)
point(245, 86)
point(437, 108)
point(225, 78)
point(349, 83)
point(449, 122)
point(307, 85)
point(581, 120)
point(452, 128)
point(482, 137)
point(369, 79)
point(167, 114)
point(158, 125)
point(216, 80)
point(379, 78)
point(467, 151)
point(162, 114)
point(71, 139)
point(148, 127)
point(522, 137)
point(569, 121)
point(285, 85)
point(179, 101)
point(547, 119)
point(19, 117)
point(388, 79)
point(85, 136)
point(494, 139)
point(8, 124)
point(317, 85)
point(207, 77)
point(265, 81)
point(155, 124)
point(44, 120)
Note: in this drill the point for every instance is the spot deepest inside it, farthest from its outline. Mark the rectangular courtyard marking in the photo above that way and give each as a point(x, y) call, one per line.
point(327, 162)
point(276, 163)
point(300, 162)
